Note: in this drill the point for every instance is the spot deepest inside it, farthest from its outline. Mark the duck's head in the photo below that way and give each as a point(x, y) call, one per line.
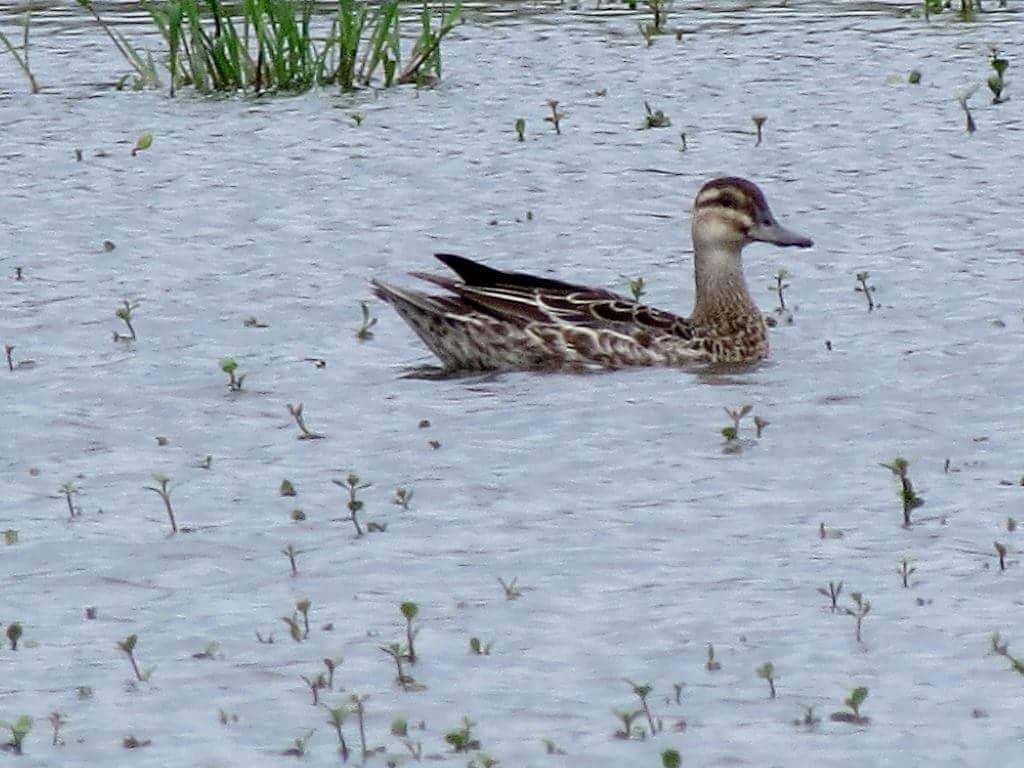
point(730, 213)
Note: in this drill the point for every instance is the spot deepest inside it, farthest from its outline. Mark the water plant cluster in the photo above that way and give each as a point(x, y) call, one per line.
point(264, 46)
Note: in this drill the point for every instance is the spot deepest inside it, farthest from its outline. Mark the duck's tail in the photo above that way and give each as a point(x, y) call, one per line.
point(439, 321)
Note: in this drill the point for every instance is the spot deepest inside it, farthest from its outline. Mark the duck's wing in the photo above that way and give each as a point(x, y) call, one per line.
point(523, 298)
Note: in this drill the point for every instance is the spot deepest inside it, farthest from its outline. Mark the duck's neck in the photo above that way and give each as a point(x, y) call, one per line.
point(721, 290)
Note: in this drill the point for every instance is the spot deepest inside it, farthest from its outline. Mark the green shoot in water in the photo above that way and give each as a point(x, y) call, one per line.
point(163, 490)
point(853, 702)
point(19, 729)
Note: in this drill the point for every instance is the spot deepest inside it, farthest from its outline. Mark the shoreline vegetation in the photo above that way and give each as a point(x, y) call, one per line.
point(269, 46)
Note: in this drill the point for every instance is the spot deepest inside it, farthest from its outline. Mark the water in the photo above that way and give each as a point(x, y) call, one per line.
point(635, 539)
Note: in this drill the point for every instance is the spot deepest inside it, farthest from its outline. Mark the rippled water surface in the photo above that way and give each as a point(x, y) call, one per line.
point(635, 539)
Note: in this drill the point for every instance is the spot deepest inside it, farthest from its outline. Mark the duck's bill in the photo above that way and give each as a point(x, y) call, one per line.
point(773, 233)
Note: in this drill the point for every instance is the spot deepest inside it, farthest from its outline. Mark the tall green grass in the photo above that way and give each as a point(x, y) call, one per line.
point(270, 45)
point(22, 57)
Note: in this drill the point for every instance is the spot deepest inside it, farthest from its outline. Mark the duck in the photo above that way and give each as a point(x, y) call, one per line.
point(493, 320)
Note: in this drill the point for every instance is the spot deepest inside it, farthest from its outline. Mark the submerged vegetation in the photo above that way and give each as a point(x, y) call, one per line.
point(264, 46)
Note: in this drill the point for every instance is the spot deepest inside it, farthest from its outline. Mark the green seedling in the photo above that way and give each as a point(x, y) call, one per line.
point(359, 709)
point(512, 591)
point(637, 288)
point(809, 720)
point(1001, 647)
point(479, 648)
point(163, 490)
point(304, 433)
point(302, 606)
point(19, 729)
point(853, 702)
point(409, 611)
point(731, 433)
point(832, 592)
point(520, 128)
point(331, 665)
point(368, 321)
point(398, 654)
point(316, 684)
point(10, 537)
point(767, 672)
point(133, 742)
point(642, 692)
point(1001, 554)
point(300, 745)
point(626, 717)
point(711, 665)
point(415, 749)
point(403, 497)
point(860, 609)
point(905, 571)
point(759, 121)
point(867, 290)
point(677, 691)
point(400, 727)
point(286, 488)
point(655, 118)
point(210, 651)
point(294, 629)
point(908, 498)
point(555, 118)
point(670, 758)
point(144, 142)
point(551, 748)
point(995, 81)
point(127, 646)
point(962, 98)
point(914, 77)
point(461, 739)
point(69, 489)
point(229, 366)
point(824, 532)
point(57, 721)
point(780, 285)
point(226, 718)
point(298, 632)
point(14, 633)
point(336, 717)
point(124, 314)
point(1011, 524)
point(357, 118)
point(482, 760)
point(291, 553)
point(354, 485)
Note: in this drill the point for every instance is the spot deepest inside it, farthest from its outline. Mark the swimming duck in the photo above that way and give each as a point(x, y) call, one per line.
point(494, 320)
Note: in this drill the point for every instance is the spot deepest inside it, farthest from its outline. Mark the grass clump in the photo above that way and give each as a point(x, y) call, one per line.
point(259, 46)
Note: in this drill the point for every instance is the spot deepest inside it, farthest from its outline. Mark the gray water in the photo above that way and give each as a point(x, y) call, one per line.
point(635, 539)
